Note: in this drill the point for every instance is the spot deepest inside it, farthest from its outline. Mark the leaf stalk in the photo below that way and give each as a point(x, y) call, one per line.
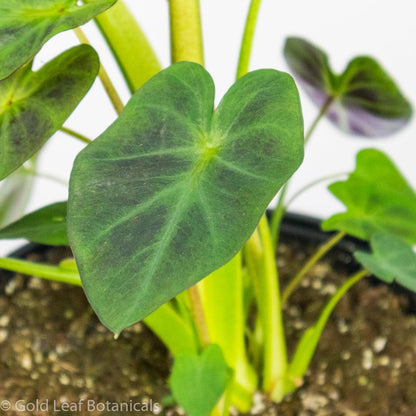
point(310, 339)
point(323, 249)
point(248, 36)
point(105, 79)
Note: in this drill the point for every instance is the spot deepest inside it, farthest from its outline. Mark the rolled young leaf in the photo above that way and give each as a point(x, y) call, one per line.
point(173, 189)
point(377, 198)
point(34, 105)
point(391, 260)
point(364, 100)
point(45, 226)
point(25, 25)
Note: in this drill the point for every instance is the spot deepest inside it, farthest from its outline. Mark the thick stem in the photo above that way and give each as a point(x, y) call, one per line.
point(75, 134)
point(275, 360)
point(260, 260)
point(247, 42)
point(222, 295)
point(199, 315)
point(310, 339)
point(186, 31)
point(105, 79)
point(323, 249)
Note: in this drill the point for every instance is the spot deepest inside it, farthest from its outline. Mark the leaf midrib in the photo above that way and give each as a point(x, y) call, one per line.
point(172, 225)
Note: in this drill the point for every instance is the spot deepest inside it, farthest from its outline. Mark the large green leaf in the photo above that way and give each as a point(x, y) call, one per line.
point(34, 105)
point(377, 198)
point(46, 226)
point(172, 190)
point(364, 98)
point(391, 259)
point(198, 381)
point(25, 25)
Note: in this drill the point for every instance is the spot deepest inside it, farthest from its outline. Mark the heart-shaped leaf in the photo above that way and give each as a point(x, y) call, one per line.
point(25, 25)
point(198, 381)
point(391, 259)
point(377, 198)
point(46, 226)
point(34, 105)
point(363, 100)
point(172, 190)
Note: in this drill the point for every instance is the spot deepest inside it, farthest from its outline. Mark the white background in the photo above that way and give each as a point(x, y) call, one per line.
point(379, 28)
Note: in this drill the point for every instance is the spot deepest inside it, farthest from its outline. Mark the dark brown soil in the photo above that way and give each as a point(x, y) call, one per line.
point(52, 348)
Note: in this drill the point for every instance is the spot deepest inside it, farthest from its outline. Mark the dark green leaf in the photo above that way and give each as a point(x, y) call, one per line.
point(46, 226)
point(391, 259)
point(198, 381)
point(34, 105)
point(364, 99)
point(172, 190)
point(25, 25)
point(377, 198)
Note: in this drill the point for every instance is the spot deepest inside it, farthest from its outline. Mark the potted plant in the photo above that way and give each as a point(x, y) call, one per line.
point(166, 210)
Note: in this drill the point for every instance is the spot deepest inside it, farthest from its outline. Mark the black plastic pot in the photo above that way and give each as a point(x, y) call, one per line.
point(305, 230)
point(302, 228)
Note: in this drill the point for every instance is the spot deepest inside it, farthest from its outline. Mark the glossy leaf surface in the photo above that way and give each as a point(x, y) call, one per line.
point(364, 99)
point(198, 381)
point(172, 190)
point(25, 25)
point(46, 226)
point(34, 105)
point(377, 198)
point(391, 260)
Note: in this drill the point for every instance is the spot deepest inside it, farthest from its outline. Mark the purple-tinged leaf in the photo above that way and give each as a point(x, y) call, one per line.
point(364, 100)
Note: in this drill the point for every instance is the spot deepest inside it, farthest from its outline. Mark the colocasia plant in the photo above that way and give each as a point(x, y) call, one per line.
point(166, 209)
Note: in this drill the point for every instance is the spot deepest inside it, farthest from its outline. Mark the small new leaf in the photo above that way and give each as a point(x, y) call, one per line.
point(25, 25)
point(391, 259)
point(34, 105)
point(45, 226)
point(173, 189)
point(377, 198)
point(364, 100)
point(198, 381)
